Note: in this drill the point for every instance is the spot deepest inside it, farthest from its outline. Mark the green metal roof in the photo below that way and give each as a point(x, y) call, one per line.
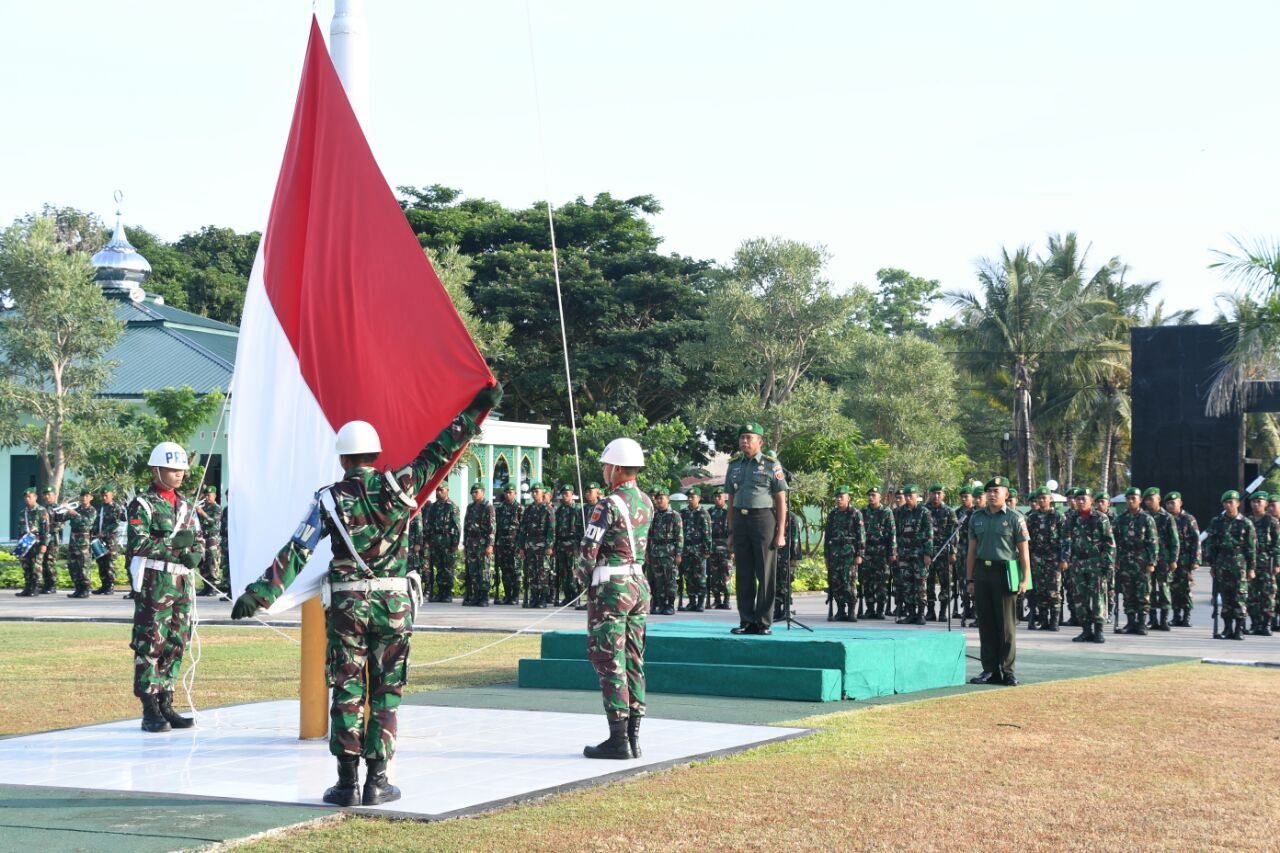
point(166, 347)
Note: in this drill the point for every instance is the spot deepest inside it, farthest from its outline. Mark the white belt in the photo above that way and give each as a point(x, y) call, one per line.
point(602, 574)
point(162, 566)
point(373, 585)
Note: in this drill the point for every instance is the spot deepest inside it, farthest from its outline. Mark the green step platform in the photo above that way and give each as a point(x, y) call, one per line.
point(823, 666)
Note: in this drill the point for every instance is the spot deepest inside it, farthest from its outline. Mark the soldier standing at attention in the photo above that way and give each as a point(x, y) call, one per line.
point(756, 486)
point(1166, 564)
point(843, 546)
point(1231, 549)
point(35, 521)
point(82, 518)
point(1183, 580)
point(967, 506)
point(106, 522)
point(1088, 553)
point(369, 621)
point(1262, 586)
point(915, 548)
point(507, 516)
point(1137, 551)
point(666, 547)
point(535, 546)
point(568, 541)
point(611, 566)
point(477, 548)
point(696, 523)
point(1043, 528)
point(943, 566)
point(49, 556)
point(881, 554)
point(442, 529)
point(785, 568)
point(997, 536)
point(165, 548)
point(211, 522)
point(721, 557)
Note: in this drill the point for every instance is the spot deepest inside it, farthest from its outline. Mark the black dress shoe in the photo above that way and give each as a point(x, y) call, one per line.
point(741, 629)
point(985, 677)
point(763, 630)
point(1010, 680)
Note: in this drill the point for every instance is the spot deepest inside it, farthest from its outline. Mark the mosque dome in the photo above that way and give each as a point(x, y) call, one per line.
point(119, 268)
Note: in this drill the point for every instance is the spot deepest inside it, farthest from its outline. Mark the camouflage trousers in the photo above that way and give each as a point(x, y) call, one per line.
point(417, 562)
point(161, 630)
point(211, 565)
point(537, 575)
point(693, 571)
point(370, 631)
point(566, 584)
point(443, 558)
point(1160, 579)
point(662, 574)
point(784, 575)
point(912, 578)
point(615, 643)
point(873, 579)
point(477, 575)
point(78, 564)
point(1046, 581)
point(718, 573)
point(1262, 595)
point(1135, 585)
point(107, 565)
point(938, 580)
point(1088, 592)
point(1232, 583)
point(31, 570)
point(49, 567)
point(1180, 586)
point(504, 557)
point(842, 578)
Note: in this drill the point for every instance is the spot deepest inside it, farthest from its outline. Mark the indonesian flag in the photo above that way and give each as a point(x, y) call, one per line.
point(344, 319)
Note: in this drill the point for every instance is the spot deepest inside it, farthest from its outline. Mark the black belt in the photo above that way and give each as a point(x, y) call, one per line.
point(750, 510)
point(990, 563)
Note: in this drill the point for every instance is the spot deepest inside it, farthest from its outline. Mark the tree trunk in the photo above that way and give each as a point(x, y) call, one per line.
point(1069, 470)
point(1022, 427)
point(1104, 459)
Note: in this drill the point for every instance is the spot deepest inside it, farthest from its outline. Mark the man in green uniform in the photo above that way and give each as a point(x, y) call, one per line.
point(81, 522)
point(210, 515)
point(1138, 548)
point(943, 548)
point(1088, 555)
point(535, 547)
point(1183, 580)
point(881, 554)
point(416, 541)
point(165, 548)
point(666, 547)
point(1167, 561)
point(33, 520)
point(1043, 526)
point(441, 530)
point(477, 549)
point(1262, 587)
point(49, 557)
point(1231, 549)
point(1102, 504)
point(106, 522)
point(789, 555)
point(757, 488)
point(721, 557)
point(968, 504)
point(997, 537)
point(696, 522)
point(1273, 506)
point(915, 550)
point(611, 566)
point(568, 540)
point(842, 549)
point(372, 597)
point(507, 518)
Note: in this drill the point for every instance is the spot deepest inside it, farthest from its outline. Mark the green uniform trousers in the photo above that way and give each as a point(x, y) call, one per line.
point(997, 621)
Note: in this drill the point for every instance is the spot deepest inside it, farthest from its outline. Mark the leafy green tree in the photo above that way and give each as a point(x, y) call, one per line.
point(666, 460)
point(454, 270)
point(1250, 321)
point(901, 303)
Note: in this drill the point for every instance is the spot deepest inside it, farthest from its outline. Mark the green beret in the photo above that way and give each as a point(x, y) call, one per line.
point(86, 491)
point(910, 489)
point(657, 491)
point(1100, 496)
point(996, 481)
point(1133, 491)
point(1040, 492)
point(48, 490)
point(842, 490)
point(1013, 492)
point(1151, 490)
point(478, 487)
point(566, 488)
point(874, 490)
point(510, 487)
point(1229, 495)
point(694, 490)
point(536, 487)
point(29, 491)
point(1259, 496)
point(106, 489)
point(751, 428)
point(719, 490)
point(937, 487)
point(1173, 496)
point(210, 489)
point(592, 486)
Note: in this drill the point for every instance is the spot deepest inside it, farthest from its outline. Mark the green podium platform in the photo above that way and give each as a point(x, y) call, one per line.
point(823, 666)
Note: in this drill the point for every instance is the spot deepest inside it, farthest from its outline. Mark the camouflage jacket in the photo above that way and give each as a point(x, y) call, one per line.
point(35, 520)
point(1267, 528)
point(1166, 536)
point(846, 535)
point(944, 524)
point(375, 508)
point(507, 516)
point(790, 553)
point(82, 525)
point(1231, 543)
point(667, 533)
point(211, 521)
point(962, 525)
point(1088, 540)
point(442, 525)
point(696, 524)
point(882, 536)
point(606, 541)
point(1045, 530)
point(915, 532)
point(152, 520)
point(719, 516)
point(1189, 539)
point(107, 520)
point(1136, 537)
point(569, 528)
point(538, 527)
point(478, 526)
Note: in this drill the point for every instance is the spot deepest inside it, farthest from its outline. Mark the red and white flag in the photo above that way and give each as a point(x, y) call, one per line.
point(344, 319)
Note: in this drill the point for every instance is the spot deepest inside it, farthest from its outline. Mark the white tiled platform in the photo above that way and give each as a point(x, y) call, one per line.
point(447, 759)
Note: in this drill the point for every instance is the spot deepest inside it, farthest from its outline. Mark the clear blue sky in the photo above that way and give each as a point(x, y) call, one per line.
point(919, 135)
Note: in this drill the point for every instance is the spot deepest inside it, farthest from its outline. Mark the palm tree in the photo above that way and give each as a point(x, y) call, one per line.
point(1251, 323)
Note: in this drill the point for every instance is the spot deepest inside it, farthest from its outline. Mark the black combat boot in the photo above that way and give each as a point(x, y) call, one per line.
point(1140, 626)
point(1053, 620)
point(723, 604)
point(1153, 619)
point(48, 589)
point(377, 789)
point(1129, 626)
point(152, 720)
point(1265, 629)
point(905, 616)
point(1085, 635)
point(1164, 621)
point(347, 791)
point(699, 603)
point(1237, 632)
point(28, 591)
point(617, 746)
point(931, 615)
point(1098, 635)
point(1032, 618)
point(917, 617)
point(633, 733)
point(164, 701)
point(853, 613)
point(1186, 617)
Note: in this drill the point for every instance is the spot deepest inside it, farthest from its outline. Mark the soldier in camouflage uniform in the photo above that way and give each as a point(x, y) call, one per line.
point(165, 548)
point(611, 566)
point(881, 554)
point(1262, 587)
point(1183, 580)
point(49, 557)
point(477, 549)
point(442, 528)
point(211, 521)
point(1166, 564)
point(842, 549)
point(81, 518)
point(785, 568)
point(416, 541)
point(507, 517)
point(666, 547)
point(372, 596)
point(968, 504)
point(720, 561)
point(1138, 548)
point(33, 519)
point(568, 540)
point(1273, 507)
point(535, 545)
point(1088, 554)
point(942, 569)
point(1231, 549)
point(106, 522)
point(696, 522)
point(915, 548)
point(1044, 528)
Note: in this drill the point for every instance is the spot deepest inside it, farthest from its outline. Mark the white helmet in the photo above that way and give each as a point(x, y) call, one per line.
point(358, 437)
point(169, 454)
point(625, 452)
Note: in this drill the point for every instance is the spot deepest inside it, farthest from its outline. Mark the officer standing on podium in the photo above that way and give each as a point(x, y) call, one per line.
point(757, 489)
